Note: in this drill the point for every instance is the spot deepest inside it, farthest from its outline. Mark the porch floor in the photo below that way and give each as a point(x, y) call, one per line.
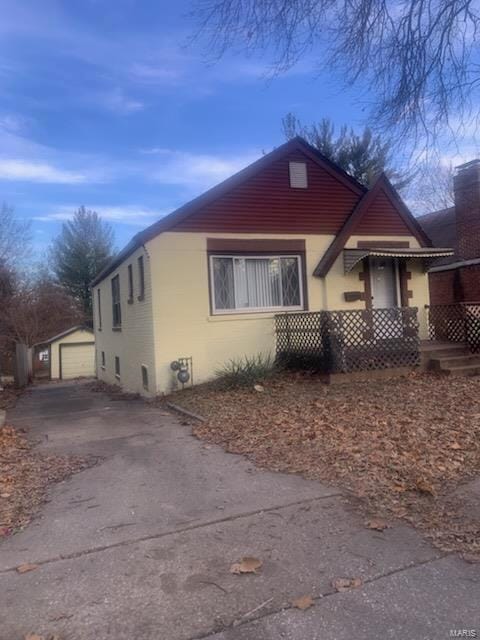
point(434, 345)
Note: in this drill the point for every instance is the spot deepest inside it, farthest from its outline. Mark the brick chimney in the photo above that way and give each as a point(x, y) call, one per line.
point(466, 187)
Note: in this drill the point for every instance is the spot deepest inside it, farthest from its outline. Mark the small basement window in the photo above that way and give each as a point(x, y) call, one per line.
point(103, 359)
point(144, 376)
point(117, 367)
point(298, 175)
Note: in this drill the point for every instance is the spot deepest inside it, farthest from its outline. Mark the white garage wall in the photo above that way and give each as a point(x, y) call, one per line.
point(77, 360)
point(81, 335)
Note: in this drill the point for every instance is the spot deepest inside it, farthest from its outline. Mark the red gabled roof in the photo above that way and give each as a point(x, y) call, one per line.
point(396, 219)
point(186, 217)
point(193, 207)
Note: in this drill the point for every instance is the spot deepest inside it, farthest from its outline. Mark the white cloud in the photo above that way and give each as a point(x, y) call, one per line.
point(118, 102)
point(22, 159)
point(148, 61)
point(196, 171)
point(12, 123)
point(25, 171)
point(131, 214)
point(153, 74)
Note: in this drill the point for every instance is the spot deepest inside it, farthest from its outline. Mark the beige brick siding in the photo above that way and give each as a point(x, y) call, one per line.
point(134, 344)
point(175, 319)
point(184, 326)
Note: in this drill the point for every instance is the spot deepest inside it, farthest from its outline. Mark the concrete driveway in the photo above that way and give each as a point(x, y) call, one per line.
point(139, 546)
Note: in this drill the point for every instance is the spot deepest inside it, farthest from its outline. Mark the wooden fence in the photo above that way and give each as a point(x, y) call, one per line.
point(23, 370)
point(455, 323)
point(347, 341)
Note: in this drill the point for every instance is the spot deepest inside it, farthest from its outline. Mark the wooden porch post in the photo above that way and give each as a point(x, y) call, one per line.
point(405, 276)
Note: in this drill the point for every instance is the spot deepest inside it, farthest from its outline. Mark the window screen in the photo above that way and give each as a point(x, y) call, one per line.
point(116, 307)
point(130, 282)
point(298, 175)
point(256, 283)
point(144, 376)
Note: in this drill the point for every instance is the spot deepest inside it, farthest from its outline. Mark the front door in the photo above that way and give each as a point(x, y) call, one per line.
point(385, 295)
point(384, 278)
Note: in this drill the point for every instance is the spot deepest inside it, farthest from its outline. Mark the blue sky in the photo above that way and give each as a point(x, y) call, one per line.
point(104, 104)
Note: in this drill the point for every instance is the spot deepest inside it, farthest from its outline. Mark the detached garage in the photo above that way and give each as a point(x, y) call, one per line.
point(72, 354)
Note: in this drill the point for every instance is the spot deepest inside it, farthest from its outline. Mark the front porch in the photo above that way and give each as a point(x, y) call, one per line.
point(333, 342)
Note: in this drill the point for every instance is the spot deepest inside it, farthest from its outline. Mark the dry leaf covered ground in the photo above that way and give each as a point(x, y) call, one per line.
point(24, 477)
point(403, 445)
point(8, 397)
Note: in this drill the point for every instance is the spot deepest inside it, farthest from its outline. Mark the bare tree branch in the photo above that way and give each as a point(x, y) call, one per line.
point(419, 58)
point(432, 189)
point(36, 309)
point(14, 238)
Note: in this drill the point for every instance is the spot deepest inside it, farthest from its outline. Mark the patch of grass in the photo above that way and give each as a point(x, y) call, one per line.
point(245, 372)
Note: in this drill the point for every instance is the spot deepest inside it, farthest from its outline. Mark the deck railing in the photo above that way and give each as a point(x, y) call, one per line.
point(347, 341)
point(458, 322)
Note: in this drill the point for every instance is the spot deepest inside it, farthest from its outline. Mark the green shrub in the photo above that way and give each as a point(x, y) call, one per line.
point(246, 371)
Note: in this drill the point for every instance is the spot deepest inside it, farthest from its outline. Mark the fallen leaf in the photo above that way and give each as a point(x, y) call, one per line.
point(424, 487)
point(344, 584)
point(378, 524)
point(258, 387)
point(304, 602)
point(25, 476)
point(33, 636)
point(24, 568)
point(470, 558)
point(246, 565)
point(376, 441)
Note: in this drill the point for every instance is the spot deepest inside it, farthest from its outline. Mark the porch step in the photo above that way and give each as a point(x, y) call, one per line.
point(440, 356)
point(458, 360)
point(440, 349)
point(463, 370)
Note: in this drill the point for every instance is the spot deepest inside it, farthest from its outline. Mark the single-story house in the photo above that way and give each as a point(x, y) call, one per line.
point(456, 278)
point(291, 232)
point(71, 354)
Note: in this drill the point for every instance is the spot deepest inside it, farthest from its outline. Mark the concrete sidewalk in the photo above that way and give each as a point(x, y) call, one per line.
point(140, 545)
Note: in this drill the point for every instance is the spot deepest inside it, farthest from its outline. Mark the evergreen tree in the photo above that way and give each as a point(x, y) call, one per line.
point(80, 252)
point(362, 156)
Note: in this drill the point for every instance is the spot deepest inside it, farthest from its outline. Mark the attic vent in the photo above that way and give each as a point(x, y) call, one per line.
point(298, 175)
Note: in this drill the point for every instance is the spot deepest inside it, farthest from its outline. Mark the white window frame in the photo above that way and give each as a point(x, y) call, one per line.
point(244, 310)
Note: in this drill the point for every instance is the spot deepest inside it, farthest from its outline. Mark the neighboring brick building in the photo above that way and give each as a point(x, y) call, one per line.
point(457, 278)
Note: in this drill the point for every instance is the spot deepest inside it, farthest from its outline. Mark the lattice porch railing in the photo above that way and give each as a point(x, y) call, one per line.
point(346, 341)
point(455, 323)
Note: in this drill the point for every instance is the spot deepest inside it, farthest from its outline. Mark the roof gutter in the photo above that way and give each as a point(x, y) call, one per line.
point(454, 265)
